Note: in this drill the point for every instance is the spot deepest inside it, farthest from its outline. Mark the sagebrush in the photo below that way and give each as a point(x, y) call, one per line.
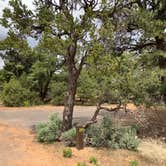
point(106, 134)
point(50, 131)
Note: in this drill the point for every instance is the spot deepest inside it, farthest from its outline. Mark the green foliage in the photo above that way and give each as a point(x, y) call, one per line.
point(81, 164)
point(42, 71)
point(93, 160)
point(133, 163)
point(129, 80)
point(14, 94)
point(69, 136)
point(58, 90)
point(124, 139)
point(17, 55)
point(107, 135)
point(67, 152)
point(50, 131)
point(86, 88)
point(19, 11)
point(122, 58)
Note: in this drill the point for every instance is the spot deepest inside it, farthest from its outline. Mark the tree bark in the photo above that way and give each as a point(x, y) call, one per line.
point(73, 75)
point(69, 103)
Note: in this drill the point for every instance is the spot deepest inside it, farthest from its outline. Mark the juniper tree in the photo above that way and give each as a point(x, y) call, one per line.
point(143, 32)
point(71, 25)
point(77, 29)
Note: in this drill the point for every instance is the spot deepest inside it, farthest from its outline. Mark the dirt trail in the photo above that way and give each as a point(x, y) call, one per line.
point(28, 116)
point(18, 146)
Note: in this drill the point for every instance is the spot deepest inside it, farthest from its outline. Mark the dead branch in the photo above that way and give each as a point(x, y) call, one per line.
point(98, 109)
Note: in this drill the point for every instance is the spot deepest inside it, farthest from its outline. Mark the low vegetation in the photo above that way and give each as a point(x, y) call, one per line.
point(133, 163)
point(50, 131)
point(103, 134)
point(106, 134)
point(93, 160)
point(81, 164)
point(67, 152)
point(69, 137)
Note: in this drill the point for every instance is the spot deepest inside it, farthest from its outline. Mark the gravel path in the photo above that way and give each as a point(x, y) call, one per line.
point(28, 118)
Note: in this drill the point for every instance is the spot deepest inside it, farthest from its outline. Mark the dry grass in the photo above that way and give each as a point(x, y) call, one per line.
point(153, 150)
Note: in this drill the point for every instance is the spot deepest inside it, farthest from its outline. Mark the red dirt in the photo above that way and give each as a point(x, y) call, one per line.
point(19, 148)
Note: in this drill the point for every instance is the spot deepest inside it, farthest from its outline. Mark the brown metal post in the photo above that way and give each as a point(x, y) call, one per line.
point(79, 137)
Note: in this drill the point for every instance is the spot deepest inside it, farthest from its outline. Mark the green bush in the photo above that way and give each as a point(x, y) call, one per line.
point(81, 164)
point(93, 136)
point(134, 163)
point(128, 141)
point(93, 160)
point(13, 94)
point(107, 135)
point(69, 136)
point(67, 152)
point(50, 131)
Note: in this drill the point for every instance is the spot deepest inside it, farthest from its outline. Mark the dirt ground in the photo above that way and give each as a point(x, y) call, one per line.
point(18, 146)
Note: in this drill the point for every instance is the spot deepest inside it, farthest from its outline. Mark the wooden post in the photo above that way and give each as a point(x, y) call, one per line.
point(79, 137)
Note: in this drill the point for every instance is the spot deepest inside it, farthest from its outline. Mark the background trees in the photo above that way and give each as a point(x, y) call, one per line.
point(113, 51)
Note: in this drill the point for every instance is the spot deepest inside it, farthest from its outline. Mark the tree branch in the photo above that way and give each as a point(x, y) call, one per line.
point(99, 108)
point(82, 63)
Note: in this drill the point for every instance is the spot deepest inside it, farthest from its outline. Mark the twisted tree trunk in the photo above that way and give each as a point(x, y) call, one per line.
point(73, 75)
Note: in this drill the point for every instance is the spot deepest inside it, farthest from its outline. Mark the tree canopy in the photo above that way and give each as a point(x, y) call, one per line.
point(110, 50)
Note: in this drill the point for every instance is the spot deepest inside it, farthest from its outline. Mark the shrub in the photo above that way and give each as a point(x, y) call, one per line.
point(107, 135)
point(134, 163)
point(69, 136)
point(67, 152)
point(98, 135)
point(93, 160)
point(50, 131)
point(128, 141)
point(13, 94)
point(81, 164)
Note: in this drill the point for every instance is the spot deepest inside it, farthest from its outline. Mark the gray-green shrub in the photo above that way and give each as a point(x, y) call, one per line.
point(69, 137)
point(106, 134)
point(50, 131)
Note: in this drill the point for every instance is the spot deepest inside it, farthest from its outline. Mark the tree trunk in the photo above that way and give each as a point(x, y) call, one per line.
point(69, 103)
point(73, 75)
point(44, 87)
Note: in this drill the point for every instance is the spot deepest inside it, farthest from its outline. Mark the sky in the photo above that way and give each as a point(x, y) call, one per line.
point(3, 31)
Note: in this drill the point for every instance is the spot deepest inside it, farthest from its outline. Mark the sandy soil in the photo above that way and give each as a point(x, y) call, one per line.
point(19, 148)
